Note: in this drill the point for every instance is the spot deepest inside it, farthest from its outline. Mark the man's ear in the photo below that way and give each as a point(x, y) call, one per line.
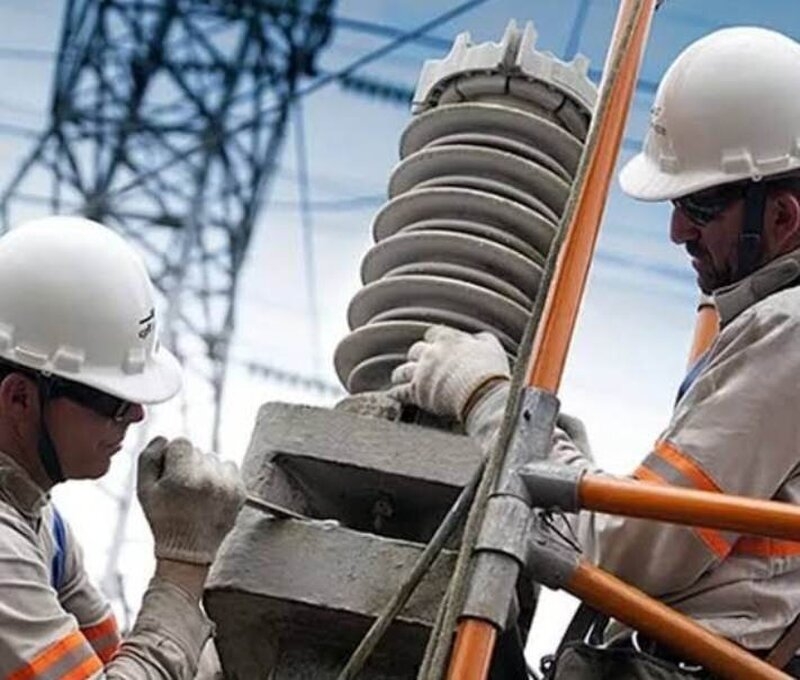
point(17, 395)
point(784, 221)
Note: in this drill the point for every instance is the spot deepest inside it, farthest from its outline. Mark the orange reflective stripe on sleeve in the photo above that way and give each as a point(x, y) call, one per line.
point(759, 546)
point(716, 542)
point(70, 657)
point(670, 453)
point(697, 478)
point(645, 474)
point(104, 638)
point(86, 670)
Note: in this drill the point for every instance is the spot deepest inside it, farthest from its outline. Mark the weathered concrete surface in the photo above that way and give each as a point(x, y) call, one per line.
point(297, 597)
point(389, 478)
point(373, 405)
point(292, 599)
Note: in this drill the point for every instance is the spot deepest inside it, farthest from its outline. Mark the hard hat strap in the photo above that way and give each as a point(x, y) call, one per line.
point(750, 238)
point(47, 450)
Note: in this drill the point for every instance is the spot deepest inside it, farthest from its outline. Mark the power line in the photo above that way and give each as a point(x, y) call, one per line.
point(26, 54)
point(19, 131)
point(292, 379)
point(373, 28)
point(333, 205)
point(307, 228)
point(357, 25)
point(330, 205)
point(378, 89)
point(577, 29)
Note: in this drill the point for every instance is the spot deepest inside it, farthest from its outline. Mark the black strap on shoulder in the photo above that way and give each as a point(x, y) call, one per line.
point(755, 199)
point(786, 647)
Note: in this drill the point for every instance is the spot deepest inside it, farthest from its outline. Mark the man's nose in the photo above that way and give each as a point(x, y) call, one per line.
point(682, 229)
point(135, 413)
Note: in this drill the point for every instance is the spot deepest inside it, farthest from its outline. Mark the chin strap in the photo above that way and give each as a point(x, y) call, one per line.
point(47, 450)
point(755, 199)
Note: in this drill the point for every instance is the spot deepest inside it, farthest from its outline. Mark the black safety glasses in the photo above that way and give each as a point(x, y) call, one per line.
point(100, 402)
point(703, 207)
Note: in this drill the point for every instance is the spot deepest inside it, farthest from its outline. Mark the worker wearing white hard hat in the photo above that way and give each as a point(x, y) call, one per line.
point(79, 359)
point(724, 147)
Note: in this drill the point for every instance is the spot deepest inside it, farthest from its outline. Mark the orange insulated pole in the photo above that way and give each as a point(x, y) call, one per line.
point(475, 637)
point(560, 312)
point(625, 603)
point(706, 328)
point(709, 509)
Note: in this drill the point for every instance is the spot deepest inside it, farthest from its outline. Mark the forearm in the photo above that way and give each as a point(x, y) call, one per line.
point(485, 414)
point(170, 630)
point(190, 577)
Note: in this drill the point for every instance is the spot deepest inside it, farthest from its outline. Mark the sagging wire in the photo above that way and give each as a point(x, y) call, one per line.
point(569, 538)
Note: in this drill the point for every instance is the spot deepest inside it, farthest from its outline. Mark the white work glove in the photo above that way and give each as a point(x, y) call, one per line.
point(190, 499)
point(445, 370)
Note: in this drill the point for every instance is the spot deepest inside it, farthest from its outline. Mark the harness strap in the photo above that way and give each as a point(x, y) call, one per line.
point(786, 646)
point(691, 375)
point(47, 450)
point(755, 199)
point(60, 557)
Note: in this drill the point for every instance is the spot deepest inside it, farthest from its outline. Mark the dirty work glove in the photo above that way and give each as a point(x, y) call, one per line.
point(190, 499)
point(445, 370)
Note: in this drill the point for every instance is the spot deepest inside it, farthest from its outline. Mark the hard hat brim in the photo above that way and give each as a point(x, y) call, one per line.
point(160, 381)
point(641, 179)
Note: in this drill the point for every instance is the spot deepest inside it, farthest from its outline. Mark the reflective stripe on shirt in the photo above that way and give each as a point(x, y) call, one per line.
point(70, 657)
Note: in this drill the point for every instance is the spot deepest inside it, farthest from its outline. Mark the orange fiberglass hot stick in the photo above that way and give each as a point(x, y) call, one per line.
point(706, 328)
point(555, 330)
point(625, 603)
point(475, 637)
point(709, 509)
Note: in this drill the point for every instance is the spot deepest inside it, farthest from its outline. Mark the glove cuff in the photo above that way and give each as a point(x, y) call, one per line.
point(181, 547)
point(482, 388)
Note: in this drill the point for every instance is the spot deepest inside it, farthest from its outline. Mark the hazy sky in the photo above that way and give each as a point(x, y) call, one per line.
point(630, 348)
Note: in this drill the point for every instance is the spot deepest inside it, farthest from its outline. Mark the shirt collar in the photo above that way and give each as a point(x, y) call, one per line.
point(732, 300)
point(18, 489)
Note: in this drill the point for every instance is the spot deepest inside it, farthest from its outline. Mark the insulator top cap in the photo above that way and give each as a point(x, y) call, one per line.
point(514, 56)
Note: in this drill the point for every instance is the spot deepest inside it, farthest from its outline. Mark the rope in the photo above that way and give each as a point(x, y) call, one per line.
point(409, 584)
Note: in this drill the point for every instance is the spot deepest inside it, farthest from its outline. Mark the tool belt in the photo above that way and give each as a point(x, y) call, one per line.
point(582, 655)
point(583, 661)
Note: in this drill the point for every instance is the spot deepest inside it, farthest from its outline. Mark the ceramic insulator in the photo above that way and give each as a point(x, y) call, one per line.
point(487, 165)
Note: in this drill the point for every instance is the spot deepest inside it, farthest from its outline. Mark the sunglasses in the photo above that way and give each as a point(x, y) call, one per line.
point(100, 402)
point(705, 206)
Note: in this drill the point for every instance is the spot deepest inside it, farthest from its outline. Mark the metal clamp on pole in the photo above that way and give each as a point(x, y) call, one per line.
point(552, 486)
point(531, 440)
point(502, 546)
point(500, 553)
point(549, 561)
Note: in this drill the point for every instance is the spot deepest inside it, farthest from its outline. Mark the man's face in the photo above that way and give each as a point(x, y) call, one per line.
point(711, 242)
point(84, 439)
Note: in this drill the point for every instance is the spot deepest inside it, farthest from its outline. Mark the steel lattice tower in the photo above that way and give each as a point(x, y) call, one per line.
point(165, 123)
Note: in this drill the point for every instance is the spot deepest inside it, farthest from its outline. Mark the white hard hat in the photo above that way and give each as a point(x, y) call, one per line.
point(76, 301)
point(727, 109)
